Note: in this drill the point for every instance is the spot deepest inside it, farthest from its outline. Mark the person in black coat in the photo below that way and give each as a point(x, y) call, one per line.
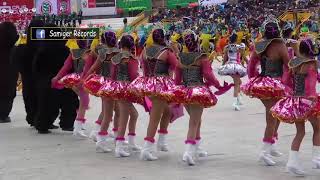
point(48, 60)
point(22, 57)
point(8, 73)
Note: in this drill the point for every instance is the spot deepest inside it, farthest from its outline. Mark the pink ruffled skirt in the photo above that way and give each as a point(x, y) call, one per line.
point(94, 84)
point(293, 109)
point(118, 90)
point(70, 80)
point(264, 88)
point(159, 86)
point(199, 95)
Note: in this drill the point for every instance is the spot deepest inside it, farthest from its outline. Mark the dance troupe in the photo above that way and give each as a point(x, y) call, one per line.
point(171, 79)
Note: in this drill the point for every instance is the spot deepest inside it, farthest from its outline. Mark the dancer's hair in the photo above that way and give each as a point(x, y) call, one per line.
point(233, 38)
point(191, 42)
point(158, 36)
point(272, 30)
point(109, 38)
point(127, 41)
point(308, 48)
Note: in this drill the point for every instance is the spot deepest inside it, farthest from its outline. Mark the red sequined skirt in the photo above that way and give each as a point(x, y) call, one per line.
point(264, 88)
point(93, 84)
point(159, 86)
point(70, 80)
point(293, 109)
point(118, 90)
point(199, 95)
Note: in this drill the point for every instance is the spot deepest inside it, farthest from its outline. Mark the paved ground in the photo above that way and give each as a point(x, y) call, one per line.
point(233, 140)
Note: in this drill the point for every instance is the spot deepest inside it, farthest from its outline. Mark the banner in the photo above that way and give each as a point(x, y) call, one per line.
point(91, 3)
point(105, 3)
point(15, 5)
point(47, 6)
point(211, 2)
point(64, 6)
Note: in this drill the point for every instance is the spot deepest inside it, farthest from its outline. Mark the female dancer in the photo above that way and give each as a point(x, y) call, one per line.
point(302, 105)
point(95, 82)
point(156, 61)
point(78, 62)
point(124, 70)
point(272, 54)
point(232, 67)
point(196, 68)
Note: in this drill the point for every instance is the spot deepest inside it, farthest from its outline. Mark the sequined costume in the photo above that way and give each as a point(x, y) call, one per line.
point(233, 65)
point(268, 83)
point(77, 64)
point(123, 71)
point(156, 80)
point(194, 79)
point(302, 104)
point(96, 81)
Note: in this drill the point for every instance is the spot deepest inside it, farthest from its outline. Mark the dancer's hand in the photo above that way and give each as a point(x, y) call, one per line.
point(223, 89)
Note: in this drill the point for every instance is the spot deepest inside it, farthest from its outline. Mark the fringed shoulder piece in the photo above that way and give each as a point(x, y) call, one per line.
point(78, 53)
point(261, 46)
point(189, 59)
point(120, 56)
point(299, 61)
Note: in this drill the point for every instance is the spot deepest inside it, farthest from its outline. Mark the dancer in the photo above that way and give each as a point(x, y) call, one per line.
point(232, 67)
point(157, 59)
point(94, 82)
point(78, 62)
point(272, 54)
point(125, 70)
point(196, 69)
point(302, 105)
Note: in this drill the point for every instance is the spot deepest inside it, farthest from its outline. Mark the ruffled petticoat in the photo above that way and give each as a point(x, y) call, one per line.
point(94, 84)
point(316, 109)
point(293, 109)
point(159, 86)
point(231, 69)
point(118, 90)
point(70, 80)
point(198, 95)
point(264, 87)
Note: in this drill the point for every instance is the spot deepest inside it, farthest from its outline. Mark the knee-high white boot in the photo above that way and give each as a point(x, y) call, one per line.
point(103, 143)
point(147, 152)
point(189, 154)
point(78, 129)
point(293, 165)
point(120, 150)
point(95, 131)
point(132, 143)
point(316, 157)
point(162, 143)
point(199, 151)
point(265, 155)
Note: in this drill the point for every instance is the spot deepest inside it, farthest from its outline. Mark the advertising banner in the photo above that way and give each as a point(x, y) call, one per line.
point(15, 5)
point(47, 6)
point(98, 7)
point(105, 3)
point(64, 6)
point(211, 2)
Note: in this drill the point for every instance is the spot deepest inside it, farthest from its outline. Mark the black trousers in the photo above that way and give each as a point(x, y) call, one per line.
point(51, 103)
point(29, 96)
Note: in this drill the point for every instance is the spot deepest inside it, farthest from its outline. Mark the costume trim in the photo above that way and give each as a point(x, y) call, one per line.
point(122, 55)
point(295, 62)
point(261, 46)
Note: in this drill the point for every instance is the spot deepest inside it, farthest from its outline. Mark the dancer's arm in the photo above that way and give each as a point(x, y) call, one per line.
point(133, 67)
point(65, 69)
point(252, 66)
point(285, 58)
point(208, 74)
point(93, 69)
point(88, 64)
point(311, 81)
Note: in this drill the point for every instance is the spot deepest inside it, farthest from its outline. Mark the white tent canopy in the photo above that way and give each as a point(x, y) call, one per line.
point(211, 2)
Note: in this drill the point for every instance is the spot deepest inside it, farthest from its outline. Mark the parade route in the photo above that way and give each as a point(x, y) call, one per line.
point(233, 140)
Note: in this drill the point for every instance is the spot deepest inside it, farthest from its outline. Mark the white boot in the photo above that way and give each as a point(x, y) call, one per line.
point(265, 155)
point(103, 144)
point(78, 129)
point(120, 150)
point(316, 157)
point(274, 151)
point(293, 165)
point(199, 151)
point(94, 132)
point(147, 152)
point(162, 144)
point(189, 154)
point(239, 102)
point(132, 145)
point(235, 106)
